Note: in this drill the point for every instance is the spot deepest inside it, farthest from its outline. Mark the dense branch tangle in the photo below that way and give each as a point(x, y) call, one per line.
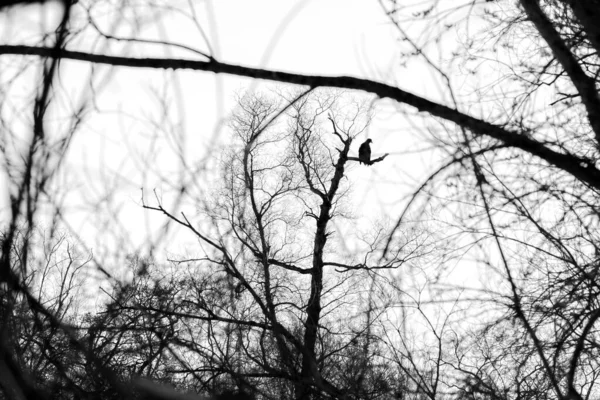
point(265, 301)
point(283, 176)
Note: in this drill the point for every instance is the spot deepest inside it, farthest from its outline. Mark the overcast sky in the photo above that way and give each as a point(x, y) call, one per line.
point(116, 148)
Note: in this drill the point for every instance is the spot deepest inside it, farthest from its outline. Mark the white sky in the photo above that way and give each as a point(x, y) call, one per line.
point(326, 37)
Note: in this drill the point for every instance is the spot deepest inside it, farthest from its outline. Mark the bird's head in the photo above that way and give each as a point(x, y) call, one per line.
point(369, 141)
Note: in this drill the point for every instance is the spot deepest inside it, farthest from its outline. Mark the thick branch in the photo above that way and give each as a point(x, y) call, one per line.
point(585, 85)
point(579, 167)
point(588, 12)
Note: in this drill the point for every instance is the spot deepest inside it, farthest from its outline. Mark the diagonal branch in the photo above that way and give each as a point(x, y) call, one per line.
point(585, 85)
point(581, 168)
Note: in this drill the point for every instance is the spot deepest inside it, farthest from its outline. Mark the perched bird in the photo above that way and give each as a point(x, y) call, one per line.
point(364, 152)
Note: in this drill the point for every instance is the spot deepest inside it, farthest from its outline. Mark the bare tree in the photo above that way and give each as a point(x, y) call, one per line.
point(37, 352)
point(281, 303)
point(515, 190)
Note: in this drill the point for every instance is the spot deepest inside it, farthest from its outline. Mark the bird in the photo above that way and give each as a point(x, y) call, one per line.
point(364, 152)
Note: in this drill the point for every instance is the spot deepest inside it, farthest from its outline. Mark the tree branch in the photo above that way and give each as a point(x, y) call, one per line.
point(585, 85)
point(581, 168)
point(376, 160)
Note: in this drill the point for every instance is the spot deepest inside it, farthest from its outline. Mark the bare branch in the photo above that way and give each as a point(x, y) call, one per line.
point(581, 168)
